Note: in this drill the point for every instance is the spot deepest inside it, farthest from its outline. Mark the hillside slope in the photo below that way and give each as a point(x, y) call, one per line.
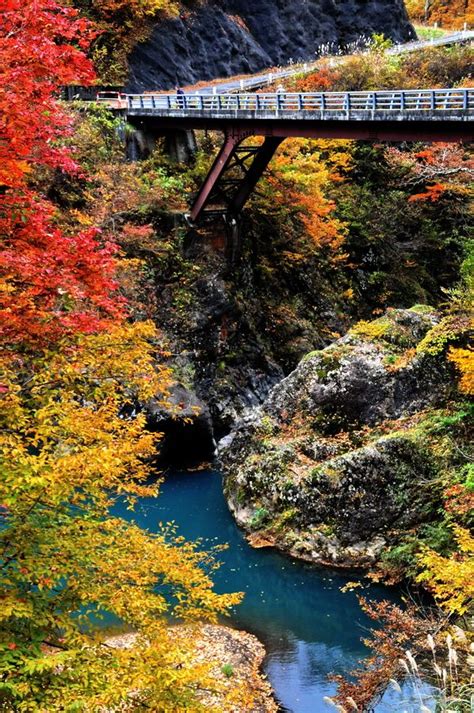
point(227, 37)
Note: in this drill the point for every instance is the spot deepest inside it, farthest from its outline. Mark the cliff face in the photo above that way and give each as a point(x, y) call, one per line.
point(336, 467)
point(228, 37)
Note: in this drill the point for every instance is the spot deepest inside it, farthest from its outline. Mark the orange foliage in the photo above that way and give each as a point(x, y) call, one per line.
point(303, 172)
point(447, 13)
point(387, 644)
point(427, 155)
point(433, 193)
point(464, 360)
point(459, 500)
point(322, 80)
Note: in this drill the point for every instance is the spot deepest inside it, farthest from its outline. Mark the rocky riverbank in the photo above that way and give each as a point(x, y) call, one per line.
point(235, 658)
point(335, 467)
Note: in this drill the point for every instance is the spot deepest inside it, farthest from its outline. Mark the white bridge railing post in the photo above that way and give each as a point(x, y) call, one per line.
point(380, 105)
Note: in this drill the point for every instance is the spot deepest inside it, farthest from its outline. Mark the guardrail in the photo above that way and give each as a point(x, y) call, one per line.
point(451, 39)
point(270, 77)
point(427, 101)
point(335, 54)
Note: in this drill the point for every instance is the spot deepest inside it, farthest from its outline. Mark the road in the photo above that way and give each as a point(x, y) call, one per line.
point(269, 77)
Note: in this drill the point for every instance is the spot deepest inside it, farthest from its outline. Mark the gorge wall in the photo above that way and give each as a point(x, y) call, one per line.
point(229, 37)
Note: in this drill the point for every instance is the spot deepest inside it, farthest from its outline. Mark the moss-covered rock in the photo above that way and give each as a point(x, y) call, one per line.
point(334, 467)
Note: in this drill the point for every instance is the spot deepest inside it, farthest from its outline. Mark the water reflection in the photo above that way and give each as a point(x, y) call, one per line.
point(309, 627)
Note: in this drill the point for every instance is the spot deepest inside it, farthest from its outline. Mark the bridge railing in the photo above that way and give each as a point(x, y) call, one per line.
point(406, 101)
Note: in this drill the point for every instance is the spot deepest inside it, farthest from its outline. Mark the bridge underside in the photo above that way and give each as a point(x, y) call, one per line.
point(238, 168)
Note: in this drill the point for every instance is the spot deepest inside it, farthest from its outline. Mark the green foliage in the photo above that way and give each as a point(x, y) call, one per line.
point(228, 670)
point(380, 43)
point(447, 422)
point(266, 426)
point(402, 558)
point(468, 473)
point(437, 536)
point(259, 518)
point(284, 520)
point(311, 355)
point(422, 309)
point(99, 135)
point(429, 33)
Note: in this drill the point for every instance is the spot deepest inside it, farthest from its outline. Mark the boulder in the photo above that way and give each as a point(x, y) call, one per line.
point(331, 467)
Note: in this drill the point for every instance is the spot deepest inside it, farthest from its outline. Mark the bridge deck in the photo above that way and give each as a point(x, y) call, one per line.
point(412, 115)
point(409, 104)
point(435, 115)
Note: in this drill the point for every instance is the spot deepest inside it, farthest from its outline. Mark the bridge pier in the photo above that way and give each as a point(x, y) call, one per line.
point(179, 144)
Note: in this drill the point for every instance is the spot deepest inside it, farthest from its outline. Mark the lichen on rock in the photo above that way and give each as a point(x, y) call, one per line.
point(333, 467)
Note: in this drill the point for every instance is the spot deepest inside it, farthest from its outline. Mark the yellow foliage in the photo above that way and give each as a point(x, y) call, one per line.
point(136, 8)
point(370, 330)
point(451, 579)
point(68, 450)
point(464, 360)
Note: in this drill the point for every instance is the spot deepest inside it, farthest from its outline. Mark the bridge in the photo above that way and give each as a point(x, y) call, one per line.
point(398, 115)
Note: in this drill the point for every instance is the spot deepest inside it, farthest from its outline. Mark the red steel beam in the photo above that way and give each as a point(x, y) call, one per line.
point(262, 158)
point(218, 167)
point(445, 129)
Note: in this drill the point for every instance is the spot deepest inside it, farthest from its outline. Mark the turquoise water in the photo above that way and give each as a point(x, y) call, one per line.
point(308, 626)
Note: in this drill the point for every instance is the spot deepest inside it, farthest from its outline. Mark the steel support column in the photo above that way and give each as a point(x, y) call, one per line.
point(233, 176)
point(218, 167)
point(262, 158)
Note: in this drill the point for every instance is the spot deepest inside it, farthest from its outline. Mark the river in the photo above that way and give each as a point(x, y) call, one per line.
point(308, 626)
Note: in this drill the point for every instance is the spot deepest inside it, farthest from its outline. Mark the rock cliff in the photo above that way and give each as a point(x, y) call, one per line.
point(229, 37)
point(334, 465)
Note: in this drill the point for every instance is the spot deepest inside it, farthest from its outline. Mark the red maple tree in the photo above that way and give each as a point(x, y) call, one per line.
point(51, 283)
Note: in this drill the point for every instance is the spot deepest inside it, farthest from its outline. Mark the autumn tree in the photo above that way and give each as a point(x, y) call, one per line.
point(301, 174)
point(447, 13)
point(74, 371)
point(451, 580)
